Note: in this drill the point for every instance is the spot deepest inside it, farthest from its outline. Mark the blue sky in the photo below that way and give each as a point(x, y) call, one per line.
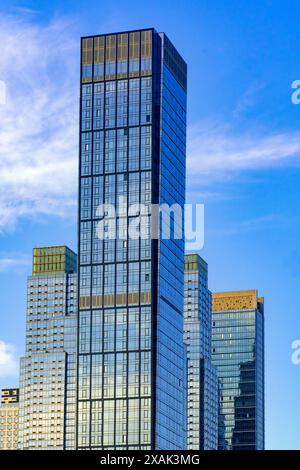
point(243, 156)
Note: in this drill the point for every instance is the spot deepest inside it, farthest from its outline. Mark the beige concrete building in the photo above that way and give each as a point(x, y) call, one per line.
point(9, 419)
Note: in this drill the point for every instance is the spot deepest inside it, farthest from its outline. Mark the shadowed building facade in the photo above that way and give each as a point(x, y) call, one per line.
point(202, 384)
point(131, 363)
point(47, 371)
point(9, 419)
point(238, 354)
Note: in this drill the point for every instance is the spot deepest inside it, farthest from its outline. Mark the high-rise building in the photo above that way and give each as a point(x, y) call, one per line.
point(238, 354)
point(48, 372)
point(131, 365)
point(202, 389)
point(9, 419)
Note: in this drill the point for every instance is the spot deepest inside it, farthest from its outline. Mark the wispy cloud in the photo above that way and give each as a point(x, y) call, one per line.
point(248, 100)
point(219, 151)
point(26, 11)
point(255, 224)
point(261, 221)
point(14, 262)
point(39, 127)
point(38, 134)
point(8, 360)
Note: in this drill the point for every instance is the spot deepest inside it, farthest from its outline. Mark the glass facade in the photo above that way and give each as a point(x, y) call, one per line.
point(202, 389)
point(130, 339)
point(238, 354)
point(48, 372)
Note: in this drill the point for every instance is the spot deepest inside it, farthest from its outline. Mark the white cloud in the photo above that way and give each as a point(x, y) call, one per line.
point(8, 360)
point(217, 151)
point(39, 122)
point(15, 262)
point(39, 126)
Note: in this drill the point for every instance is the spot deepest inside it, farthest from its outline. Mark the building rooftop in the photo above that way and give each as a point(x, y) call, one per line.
point(194, 262)
point(138, 43)
point(53, 260)
point(237, 300)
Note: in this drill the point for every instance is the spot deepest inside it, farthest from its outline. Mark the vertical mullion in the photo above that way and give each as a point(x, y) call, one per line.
point(115, 240)
point(103, 261)
point(90, 254)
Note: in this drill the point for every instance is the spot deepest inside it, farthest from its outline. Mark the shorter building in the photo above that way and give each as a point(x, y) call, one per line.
point(238, 354)
point(9, 419)
point(48, 372)
point(209, 405)
point(202, 388)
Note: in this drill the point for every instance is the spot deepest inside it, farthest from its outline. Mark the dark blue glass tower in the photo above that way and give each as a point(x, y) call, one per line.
point(238, 354)
point(131, 363)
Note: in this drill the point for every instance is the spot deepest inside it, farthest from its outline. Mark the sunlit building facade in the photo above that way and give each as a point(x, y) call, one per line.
point(131, 363)
point(9, 419)
point(47, 371)
point(202, 384)
point(238, 354)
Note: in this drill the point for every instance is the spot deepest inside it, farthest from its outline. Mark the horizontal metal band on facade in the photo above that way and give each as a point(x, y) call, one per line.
point(111, 300)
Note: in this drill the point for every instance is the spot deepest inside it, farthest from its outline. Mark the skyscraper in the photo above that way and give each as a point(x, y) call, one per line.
point(238, 354)
point(202, 389)
point(132, 145)
point(9, 419)
point(48, 373)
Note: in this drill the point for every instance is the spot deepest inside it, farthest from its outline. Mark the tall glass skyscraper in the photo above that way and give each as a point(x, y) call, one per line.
point(48, 372)
point(202, 385)
point(131, 366)
point(238, 354)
